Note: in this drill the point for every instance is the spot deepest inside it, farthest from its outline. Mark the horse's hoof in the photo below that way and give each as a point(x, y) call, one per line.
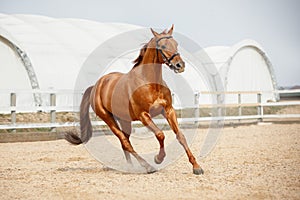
point(198, 171)
point(157, 161)
point(151, 169)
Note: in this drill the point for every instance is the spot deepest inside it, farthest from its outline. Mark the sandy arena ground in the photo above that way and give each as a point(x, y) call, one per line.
point(249, 162)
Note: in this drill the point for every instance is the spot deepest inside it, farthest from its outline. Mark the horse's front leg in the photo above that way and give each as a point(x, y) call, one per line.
point(145, 118)
point(170, 115)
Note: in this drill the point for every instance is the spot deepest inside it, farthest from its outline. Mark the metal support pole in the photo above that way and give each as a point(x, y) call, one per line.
point(13, 103)
point(52, 111)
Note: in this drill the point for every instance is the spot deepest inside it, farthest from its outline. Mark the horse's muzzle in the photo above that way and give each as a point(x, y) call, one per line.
point(178, 67)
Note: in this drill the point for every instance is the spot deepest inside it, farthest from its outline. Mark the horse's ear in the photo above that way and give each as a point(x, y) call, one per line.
point(171, 30)
point(154, 33)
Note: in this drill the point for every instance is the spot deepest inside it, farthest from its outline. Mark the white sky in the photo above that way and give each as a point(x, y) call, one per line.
point(273, 23)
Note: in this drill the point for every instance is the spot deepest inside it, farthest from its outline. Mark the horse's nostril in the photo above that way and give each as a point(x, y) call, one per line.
point(178, 65)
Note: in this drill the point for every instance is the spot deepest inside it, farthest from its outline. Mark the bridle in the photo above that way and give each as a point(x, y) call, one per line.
point(167, 60)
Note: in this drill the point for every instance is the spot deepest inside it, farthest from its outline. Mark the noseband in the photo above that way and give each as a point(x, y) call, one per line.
point(159, 49)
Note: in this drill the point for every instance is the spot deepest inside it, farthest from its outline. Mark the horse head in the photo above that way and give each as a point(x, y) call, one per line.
point(166, 48)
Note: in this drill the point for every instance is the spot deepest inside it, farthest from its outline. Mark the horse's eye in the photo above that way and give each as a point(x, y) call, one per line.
point(163, 46)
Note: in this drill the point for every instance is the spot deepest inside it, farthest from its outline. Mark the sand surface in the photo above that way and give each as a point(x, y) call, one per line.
point(249, 162)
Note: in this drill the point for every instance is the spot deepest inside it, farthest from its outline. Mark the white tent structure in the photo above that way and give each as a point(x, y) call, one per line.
point(43, 53)
point(244, 67)
point(38, 52)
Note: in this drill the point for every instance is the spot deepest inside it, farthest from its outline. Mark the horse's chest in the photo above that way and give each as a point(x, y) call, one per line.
point(159, 102)
point(157, 107)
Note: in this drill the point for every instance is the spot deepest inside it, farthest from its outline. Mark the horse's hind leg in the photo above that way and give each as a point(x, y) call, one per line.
point(108, 118)
point(147, 121)
point(126, 128)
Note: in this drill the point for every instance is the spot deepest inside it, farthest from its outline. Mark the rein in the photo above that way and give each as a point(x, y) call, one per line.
point(159, 49)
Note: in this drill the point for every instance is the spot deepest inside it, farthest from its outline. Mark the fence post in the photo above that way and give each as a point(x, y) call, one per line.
point(13, 103)
point(240, 105)
point(52, 111)
point(219, 107)
point(173, 99)
point(259, 108)
point(197, 109)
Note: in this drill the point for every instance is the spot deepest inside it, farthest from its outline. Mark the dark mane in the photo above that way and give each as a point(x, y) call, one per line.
point(139, 59)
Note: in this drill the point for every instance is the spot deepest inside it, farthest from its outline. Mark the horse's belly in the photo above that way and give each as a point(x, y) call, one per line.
point(120, 107)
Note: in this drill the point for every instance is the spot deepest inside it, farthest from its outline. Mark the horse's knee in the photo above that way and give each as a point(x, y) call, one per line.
point(160, 136)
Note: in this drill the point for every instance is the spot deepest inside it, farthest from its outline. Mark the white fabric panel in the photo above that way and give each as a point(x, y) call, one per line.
point(249, 72)
point(244, 68)
point(12, 76)
point(12, 70)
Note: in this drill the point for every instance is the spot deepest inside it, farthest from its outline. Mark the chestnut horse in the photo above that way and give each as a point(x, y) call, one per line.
point(138, 95)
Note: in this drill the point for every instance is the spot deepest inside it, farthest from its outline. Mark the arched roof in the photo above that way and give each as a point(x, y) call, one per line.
point(47, 53)
point(224, 59)
point(55, 47)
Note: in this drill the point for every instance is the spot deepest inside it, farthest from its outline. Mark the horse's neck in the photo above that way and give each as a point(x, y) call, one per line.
point(152, 67)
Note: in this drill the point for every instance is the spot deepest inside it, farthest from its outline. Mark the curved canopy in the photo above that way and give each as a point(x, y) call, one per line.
point(244, 67)
point(54, 48)
point(45, 53)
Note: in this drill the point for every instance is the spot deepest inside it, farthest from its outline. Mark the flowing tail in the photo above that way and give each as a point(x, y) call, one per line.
point(85, 122)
